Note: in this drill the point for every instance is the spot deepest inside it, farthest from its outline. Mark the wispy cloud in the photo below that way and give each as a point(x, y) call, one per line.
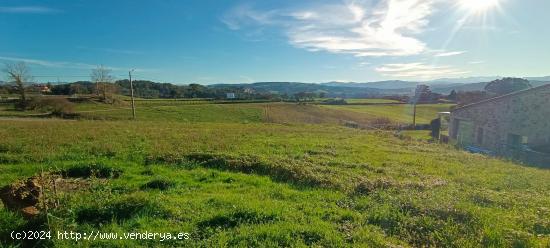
point(47, 63)
point(63, 64)
point(476, 62)
point(364, 64)
point(361, 28)
point(27, 10)
point(110, 50)
point(449, 54)
point(418, 70)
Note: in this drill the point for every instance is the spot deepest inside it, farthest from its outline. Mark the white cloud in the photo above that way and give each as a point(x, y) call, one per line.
point(361, 28)
point(449, 54)
point(47, 63)
point(418, 70)
point(27, 10)
point(476, 62)
point(62, 64)
point(363, 64)
point(244, 15)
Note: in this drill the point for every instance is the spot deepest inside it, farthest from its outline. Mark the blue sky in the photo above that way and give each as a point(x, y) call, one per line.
point(223, 41)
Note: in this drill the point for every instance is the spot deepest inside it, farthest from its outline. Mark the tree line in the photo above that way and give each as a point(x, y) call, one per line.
point(103, 86)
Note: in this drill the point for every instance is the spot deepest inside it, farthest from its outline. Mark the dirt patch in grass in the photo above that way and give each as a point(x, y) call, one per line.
point(33, 195)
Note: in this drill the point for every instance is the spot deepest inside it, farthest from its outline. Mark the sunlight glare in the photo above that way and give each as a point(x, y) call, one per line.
point(478, 6)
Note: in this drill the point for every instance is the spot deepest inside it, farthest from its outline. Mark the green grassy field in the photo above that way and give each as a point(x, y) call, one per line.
point(399, 113)
point(370, 101)
point(182, 112)
point(233, 177)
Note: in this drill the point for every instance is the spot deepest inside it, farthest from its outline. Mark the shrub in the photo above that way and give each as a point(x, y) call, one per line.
point(335, 102)
point(160, 184)
point(57, 106)
point(382, 123)
point(120, 210)
point(89, 170)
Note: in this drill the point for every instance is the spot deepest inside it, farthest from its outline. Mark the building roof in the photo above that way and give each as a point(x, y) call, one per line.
point(521, 92)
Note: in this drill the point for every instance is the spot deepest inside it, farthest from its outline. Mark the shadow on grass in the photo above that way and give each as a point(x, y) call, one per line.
point(302, 175)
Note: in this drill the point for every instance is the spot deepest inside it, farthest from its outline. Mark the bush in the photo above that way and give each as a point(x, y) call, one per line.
point(120, 210)
point(382, 123)
point(335, 102)
point(96, 170)
point(160, 184)
point(57, 106)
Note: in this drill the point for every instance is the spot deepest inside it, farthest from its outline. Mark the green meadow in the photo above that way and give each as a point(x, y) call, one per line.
point(402, 113)
point(370, 101)
point(267, 175)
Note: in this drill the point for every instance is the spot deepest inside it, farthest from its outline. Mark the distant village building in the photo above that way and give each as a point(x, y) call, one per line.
point(230, 95)
point(517, 125)
point(42, 88)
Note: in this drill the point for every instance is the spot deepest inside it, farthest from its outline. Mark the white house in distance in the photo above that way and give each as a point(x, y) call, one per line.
point(230, 95)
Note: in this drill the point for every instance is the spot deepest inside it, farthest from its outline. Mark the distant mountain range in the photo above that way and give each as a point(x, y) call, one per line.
point(373, 89)
point(391, 87)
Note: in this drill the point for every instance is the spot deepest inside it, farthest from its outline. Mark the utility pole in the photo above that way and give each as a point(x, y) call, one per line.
point(414, 114)
point(416, 98)
point(132, 94)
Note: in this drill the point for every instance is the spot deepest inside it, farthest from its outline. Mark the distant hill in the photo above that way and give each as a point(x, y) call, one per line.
point(475, 86)
point(542, 79)
point(464, 80)
point(442, 86)
point(329, 89)
point(446, 89)
point(290, 88)
point(385, 85)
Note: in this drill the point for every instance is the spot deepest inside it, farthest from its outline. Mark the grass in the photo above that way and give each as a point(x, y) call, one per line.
point(179, 111)
point(8, 111)
point(399, 113)
point(418, 134)
point(370, 101)
point(311, 114)
point(246, 181)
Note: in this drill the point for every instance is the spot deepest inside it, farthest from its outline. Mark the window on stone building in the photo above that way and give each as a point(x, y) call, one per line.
point(515, 140)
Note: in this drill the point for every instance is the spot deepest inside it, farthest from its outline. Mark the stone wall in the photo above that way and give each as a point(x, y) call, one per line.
point(523, 114)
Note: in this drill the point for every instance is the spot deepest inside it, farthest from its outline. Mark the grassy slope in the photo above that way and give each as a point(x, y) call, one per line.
point(410, 192)
point(174, 111)
point(364, 101)
point(7, 110)
point(255, 184)
point(236, 113)
point(399, 113)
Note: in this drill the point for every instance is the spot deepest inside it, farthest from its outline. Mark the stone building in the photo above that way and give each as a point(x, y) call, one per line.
point(517, 124)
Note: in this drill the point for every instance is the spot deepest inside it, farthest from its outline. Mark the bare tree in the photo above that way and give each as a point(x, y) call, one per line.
point(19, 74)
point(102, 78)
